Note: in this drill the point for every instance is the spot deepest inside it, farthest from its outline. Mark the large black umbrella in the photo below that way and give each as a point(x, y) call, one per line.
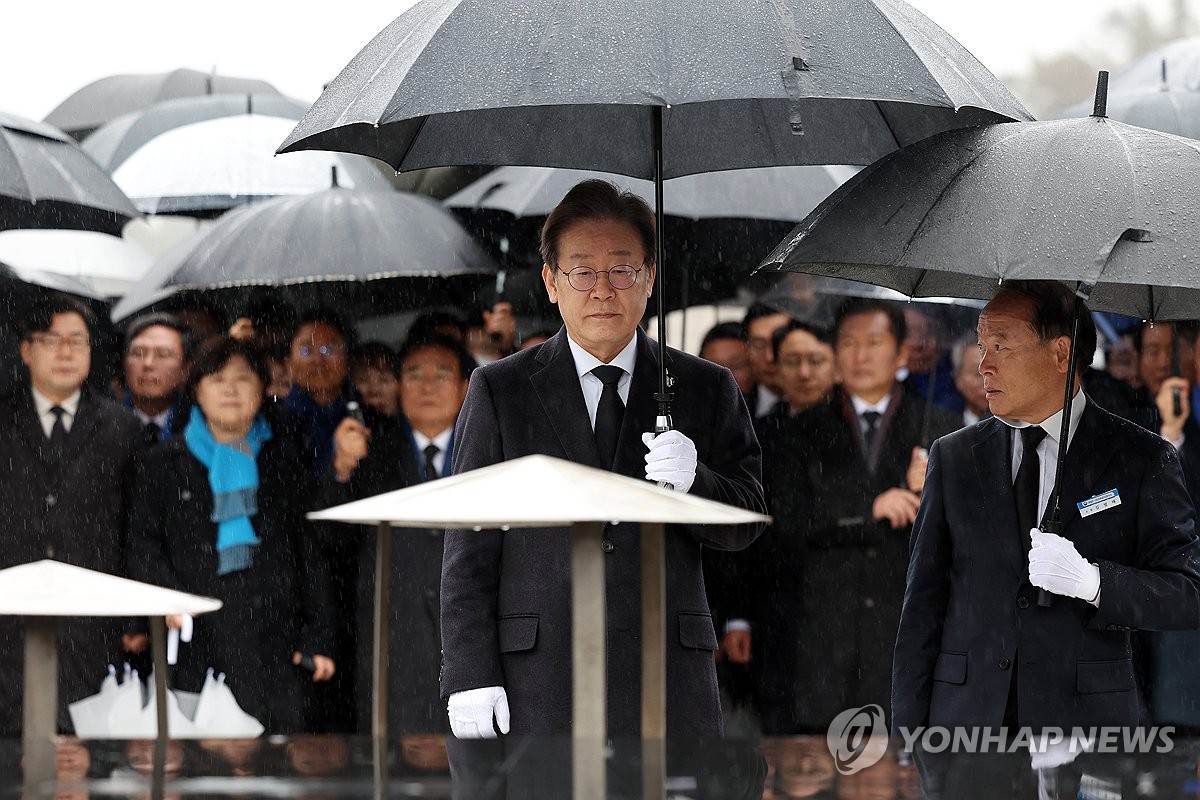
point(366, 253)
point(654, 91)
point(46, 181)
point(205, 155)
point(108, 98)
point(1103, 206)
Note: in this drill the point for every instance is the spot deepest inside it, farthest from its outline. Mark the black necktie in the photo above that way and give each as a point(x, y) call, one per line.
point(1025, 487)
point(58, 431)
point(431, 451)
point(609, 414)
point(151, 433)
point(872, 420)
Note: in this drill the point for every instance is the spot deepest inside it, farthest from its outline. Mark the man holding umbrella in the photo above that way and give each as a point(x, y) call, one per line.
point(587, 395)
point(977, 647)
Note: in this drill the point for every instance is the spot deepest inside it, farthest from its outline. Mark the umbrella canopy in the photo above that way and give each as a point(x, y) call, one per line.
point(54, 589)
point(338, 235)
point(210, 154)
point(107, 265)
point(1160, 108)
point(534, 492)
point(1081, 200)
point(46, 181)
point(741, 85)
point(110, 97)
point(1180, 59)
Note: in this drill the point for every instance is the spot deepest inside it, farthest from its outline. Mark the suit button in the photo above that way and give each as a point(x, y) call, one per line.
point(51, 500)
point(869, 602)
point(606, 546)
point(1004, 663)
point(1022, 602)
point(49, 552)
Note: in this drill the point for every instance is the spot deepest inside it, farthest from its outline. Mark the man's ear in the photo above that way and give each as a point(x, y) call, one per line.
point(548, 277)
point(1062, 354)
point(902, 356)
point(24, 349)
point(650, 279)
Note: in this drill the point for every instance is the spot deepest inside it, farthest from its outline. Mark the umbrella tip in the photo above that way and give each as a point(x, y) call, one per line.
point(1101, 107)
point(1165, 85)
point(333, 178)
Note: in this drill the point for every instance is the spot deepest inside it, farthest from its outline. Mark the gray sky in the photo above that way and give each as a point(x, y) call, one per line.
point(53, 48)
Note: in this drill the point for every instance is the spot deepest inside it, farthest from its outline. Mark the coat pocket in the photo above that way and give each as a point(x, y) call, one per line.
point(517, 633)
point(696, 631)
point(1104, 676)
point(951, 667)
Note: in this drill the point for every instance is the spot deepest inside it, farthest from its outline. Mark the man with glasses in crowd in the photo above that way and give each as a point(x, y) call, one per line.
point(587, 395)
point(64, 477)
point(157, 347)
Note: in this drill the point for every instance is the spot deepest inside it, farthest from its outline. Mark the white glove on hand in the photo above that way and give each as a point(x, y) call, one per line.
point(471, 712)
point(672, 459)
point(1056, 566)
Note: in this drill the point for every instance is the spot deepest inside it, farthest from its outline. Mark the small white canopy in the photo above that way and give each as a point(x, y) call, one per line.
point(532, 492)
point(54, 589)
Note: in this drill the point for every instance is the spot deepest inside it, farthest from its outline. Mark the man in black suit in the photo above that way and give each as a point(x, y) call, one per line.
point(587, 395)
point(395, 453)
point(64, 479)
point(157, 350)
point(975, 647)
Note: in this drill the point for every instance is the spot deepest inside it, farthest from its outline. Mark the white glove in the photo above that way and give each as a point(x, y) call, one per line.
point(672, 459)
point(471, 712)
point(1056, 566)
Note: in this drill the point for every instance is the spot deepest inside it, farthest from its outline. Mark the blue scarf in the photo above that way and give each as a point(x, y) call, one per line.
point(233, 477)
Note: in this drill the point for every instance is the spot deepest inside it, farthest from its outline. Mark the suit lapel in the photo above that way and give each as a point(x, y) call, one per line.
point(30, 428)
point(83, 428)
point(557, 387)
point(1089, 454)
point(993, 465)
point(640, 411)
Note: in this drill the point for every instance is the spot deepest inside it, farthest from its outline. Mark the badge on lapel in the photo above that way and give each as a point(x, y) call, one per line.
point(1098, 503)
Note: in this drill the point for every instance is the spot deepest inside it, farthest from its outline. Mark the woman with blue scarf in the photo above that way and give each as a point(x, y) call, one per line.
point(219, 511)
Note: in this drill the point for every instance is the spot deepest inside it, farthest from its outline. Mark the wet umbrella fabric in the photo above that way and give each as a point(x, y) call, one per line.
point(46, 181)
point(1160, 108)
point(110, 97)
point(206, 154)
point(335, 236)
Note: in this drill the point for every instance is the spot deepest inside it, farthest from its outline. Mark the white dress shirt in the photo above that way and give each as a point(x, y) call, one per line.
point(1048, 448)
point(441, 442)
point(766, 400)
point(862, 406)
point(46, 417)
point(592, 386)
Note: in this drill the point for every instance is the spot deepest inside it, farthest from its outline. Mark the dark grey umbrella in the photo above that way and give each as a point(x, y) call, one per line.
point(46, 181)
point(653, 91)
point(200, 155)
point(1108, 208)
point(1160, 108)
point(329, 243)
point(1182, 60)
point(108, 98)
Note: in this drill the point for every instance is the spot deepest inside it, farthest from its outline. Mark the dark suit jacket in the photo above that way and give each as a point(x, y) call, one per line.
point(506, 595)
point(172, 542)
point(71, 508)
point(970, 612)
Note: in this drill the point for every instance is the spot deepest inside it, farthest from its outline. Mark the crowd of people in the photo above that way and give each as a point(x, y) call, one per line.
point(195, 466)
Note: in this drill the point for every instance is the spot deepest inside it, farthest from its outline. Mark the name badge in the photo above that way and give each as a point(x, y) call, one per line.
point(1101, 502)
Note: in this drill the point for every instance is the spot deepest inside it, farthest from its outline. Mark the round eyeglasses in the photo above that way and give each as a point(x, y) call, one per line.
point(583, 279)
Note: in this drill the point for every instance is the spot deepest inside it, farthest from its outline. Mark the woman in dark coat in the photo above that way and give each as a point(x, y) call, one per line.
point(219, 511)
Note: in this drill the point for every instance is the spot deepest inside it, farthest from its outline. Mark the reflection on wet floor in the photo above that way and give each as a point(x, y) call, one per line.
point(330, 766)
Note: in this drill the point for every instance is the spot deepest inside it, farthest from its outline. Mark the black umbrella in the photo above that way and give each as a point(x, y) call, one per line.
point(205, 155)
point(653, 91)
point(1103, 206)
point(46, 181)
point(110, 97)
point(326, 247)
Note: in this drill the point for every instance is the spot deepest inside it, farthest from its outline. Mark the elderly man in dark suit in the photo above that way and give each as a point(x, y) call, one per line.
point(587, 395)
point(975, 647)
point(64, 478)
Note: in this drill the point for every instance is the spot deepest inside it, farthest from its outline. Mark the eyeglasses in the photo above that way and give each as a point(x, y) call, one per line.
point(813, 361)
point(583, 279)
point(53, 341)
point(324, 351)
point(155, 353)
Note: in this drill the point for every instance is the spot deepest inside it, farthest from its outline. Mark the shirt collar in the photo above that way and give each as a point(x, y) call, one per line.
point(862, 406)
point(441, 441)
point(585, 362)
point(43, 404)
point(1052, 425)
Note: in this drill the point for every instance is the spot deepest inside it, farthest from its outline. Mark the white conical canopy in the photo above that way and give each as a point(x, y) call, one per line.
point(54, 589)
point(534, 491)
